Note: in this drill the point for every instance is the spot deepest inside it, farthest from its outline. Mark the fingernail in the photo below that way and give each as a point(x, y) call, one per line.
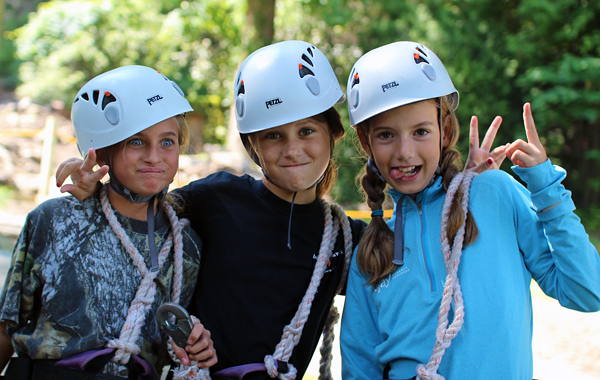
point(57, 184)
point(490, 161)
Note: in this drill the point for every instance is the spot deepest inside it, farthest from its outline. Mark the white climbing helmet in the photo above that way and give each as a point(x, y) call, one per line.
point(282, 83)
point(394, 75)
point(122, 102)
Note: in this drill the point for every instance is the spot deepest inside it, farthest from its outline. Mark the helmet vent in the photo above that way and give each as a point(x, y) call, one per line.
point(355, 80)
point(304, 71)
point(96, 95)
point(420, 56)
point(108, 98)
point(85, 97)
point(307, 60)
point(309, 50)
point(241, 88)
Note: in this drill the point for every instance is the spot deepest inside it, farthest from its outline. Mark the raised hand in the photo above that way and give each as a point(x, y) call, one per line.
point(481, 158)
point(83, 177)
point(200, 348)
point(531, 153)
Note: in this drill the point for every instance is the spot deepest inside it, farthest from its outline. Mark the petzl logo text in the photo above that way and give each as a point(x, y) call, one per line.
point(273, 102)
point(390, 85)
point(153, 99)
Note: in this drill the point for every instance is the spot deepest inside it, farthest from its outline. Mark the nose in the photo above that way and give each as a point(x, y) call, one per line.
point(292, 147)
point(405, 149)
point(153, 154)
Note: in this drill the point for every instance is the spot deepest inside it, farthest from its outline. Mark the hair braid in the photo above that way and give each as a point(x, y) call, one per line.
point(451, 166)
point(376, 249)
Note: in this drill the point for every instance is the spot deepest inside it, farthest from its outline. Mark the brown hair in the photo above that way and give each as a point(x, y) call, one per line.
point(336, 132)
point(376, 249)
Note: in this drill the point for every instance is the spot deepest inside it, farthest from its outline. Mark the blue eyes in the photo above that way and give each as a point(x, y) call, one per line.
point(138, 142)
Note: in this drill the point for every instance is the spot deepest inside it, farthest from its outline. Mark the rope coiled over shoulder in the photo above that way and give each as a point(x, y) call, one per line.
point(127, 343)
point(334, 218)
point(452, 291)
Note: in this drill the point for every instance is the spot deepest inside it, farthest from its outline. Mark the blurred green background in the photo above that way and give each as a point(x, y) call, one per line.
point(500, 54)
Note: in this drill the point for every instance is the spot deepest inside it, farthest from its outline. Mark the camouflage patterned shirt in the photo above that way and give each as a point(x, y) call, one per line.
point(70, 283)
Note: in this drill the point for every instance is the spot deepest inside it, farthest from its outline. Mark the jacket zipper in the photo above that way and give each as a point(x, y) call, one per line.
point(426, 258)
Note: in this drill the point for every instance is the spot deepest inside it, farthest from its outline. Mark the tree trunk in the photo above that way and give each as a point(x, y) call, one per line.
point(260, 15)
point(2, 4)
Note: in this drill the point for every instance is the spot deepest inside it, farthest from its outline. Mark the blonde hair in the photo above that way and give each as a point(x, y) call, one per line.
point(184, 133)
point(174, 200)
point(376, 249)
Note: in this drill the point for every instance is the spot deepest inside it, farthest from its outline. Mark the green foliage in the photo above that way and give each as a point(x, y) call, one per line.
point(499, 53)
point(6, 193)
point(66, 43)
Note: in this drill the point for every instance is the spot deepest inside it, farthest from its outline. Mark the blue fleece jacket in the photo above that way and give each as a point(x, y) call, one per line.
point(523, 234)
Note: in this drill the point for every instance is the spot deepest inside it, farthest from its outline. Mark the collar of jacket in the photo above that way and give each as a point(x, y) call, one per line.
point(428, 195)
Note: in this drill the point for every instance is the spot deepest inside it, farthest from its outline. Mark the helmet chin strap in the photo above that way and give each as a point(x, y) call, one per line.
point(398, 228)
point(289, 239)
point(137, 198)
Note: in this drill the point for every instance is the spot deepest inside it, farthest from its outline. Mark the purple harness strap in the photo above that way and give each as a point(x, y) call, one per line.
point(238, 372)
point(80, 362)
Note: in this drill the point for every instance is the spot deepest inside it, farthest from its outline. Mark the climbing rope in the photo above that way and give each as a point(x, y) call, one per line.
point(326, 349)
point(452, 290)
point(293, 331)
point(126, 345)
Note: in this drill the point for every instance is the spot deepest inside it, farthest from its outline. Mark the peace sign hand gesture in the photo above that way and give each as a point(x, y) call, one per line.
point(484, 158)
point(531, 153)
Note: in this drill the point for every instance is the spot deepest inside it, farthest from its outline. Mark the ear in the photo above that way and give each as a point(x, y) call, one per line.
point(447, 131)
point(363, 141)
point(101, 156)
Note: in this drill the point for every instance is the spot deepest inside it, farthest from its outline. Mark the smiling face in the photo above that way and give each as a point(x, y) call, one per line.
point(147, 162)
point(405, 144)
point(294, 156)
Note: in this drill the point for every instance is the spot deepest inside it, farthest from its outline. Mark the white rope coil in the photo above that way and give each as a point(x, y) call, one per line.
point(452, 291)
point(127, 343)
point(293, 331)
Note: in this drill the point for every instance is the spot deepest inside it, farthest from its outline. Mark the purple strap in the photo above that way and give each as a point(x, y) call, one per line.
point(238, 372)
point(148, 373)
point(80, 361)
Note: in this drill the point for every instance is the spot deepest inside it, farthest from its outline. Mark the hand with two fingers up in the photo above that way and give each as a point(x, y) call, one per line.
point(525, 154)
point(531, 153)
point(83, 177)
point(482, 158)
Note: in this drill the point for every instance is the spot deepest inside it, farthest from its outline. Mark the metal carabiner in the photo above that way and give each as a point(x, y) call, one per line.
point(181, 330)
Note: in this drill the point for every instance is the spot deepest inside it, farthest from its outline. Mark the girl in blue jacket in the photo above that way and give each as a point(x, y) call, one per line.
point(442, 290)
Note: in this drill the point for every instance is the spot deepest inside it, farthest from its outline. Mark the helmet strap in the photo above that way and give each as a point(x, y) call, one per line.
point(439, 168)
point(289, 243)
point(150, 215)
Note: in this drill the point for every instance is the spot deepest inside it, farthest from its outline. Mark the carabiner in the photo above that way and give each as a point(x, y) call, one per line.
point(181, 330)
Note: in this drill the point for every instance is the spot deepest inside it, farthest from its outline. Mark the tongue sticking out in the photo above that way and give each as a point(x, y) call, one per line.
point(396, 173)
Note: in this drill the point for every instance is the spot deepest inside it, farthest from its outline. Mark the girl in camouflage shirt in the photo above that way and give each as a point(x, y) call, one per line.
point(87, 276)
